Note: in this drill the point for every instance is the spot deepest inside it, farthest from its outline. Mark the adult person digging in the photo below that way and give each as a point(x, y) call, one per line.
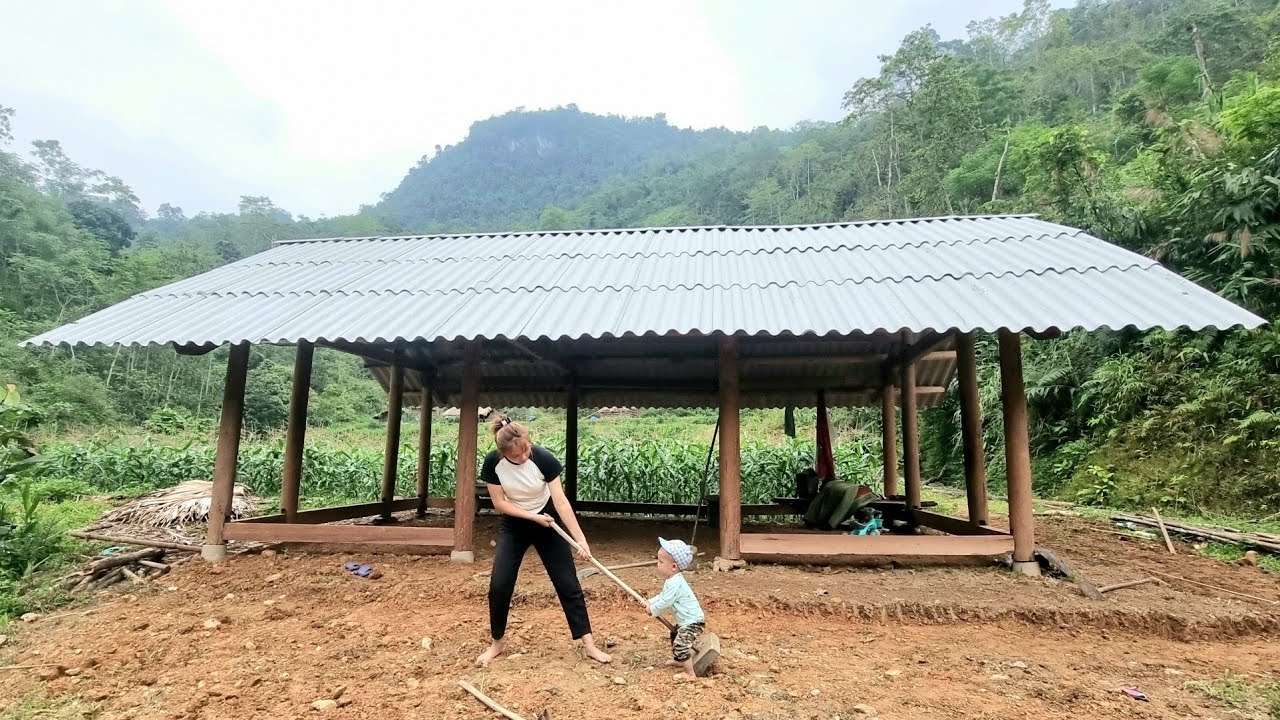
point(524, 484)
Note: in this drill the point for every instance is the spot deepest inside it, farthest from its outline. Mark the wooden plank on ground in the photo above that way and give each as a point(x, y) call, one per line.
point(826, 547)
point(953, 526)
point(381, 534)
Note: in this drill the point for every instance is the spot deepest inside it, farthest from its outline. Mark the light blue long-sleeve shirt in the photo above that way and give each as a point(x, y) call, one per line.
point(677, 596)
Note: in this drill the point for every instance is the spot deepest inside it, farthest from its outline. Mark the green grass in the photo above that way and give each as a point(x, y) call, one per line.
point(1252, 697)
point(50, 708)
point(1232, 554)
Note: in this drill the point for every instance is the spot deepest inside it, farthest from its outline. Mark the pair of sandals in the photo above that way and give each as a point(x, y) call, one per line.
point(358, 570)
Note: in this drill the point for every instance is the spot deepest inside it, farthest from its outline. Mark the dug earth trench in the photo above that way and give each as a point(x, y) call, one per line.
point(289, 635)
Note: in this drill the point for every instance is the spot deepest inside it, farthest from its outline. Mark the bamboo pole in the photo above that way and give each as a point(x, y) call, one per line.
point(144, 542)
point(1164, 532)
point(488, 701)
point(1129, 584)
point(1252, 540)
point(1215, 588)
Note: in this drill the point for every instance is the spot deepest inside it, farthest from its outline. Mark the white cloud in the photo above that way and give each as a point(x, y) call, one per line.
point(324, 105)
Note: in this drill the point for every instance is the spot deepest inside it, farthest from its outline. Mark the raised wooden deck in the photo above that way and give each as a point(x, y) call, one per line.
point(366, 538)
point(835, 548)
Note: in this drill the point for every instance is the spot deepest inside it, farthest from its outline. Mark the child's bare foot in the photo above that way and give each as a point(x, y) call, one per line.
point(674, 663)
point(688, 669)
point(494, 651)
point(593, 652)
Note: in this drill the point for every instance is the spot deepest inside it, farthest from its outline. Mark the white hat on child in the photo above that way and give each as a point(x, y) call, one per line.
point(679, 551)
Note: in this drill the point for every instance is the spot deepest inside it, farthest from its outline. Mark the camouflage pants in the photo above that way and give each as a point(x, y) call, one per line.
point(685, 637)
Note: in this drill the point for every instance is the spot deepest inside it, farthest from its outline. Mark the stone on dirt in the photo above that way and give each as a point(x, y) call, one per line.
point(324, 705)
point(725, 565)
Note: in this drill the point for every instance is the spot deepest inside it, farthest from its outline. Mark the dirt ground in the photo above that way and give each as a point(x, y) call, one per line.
point(267, 635)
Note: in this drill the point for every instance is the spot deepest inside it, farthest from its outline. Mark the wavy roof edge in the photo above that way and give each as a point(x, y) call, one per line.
point(675, 228)
point(40, 341)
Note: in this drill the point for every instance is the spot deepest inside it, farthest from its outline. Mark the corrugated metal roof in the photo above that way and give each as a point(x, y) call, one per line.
point(963, 273)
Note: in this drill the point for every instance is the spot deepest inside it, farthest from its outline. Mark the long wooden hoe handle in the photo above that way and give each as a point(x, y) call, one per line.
point(600, 566)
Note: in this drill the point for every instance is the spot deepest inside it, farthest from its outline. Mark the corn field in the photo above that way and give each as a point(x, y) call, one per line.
point(650, 470)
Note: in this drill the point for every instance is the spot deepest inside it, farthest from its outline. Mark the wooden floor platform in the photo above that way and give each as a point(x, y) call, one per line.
point(366, 538)
point(835, 548)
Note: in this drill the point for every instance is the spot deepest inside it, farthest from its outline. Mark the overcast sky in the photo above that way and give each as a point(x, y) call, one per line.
point(324, 105)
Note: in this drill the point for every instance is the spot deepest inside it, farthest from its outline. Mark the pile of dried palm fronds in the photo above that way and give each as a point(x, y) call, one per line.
point(187, 502)
point(139, 566)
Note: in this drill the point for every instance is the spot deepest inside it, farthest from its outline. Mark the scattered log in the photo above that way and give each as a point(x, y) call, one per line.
point(124, 559)
point(154, 565)
point(133, 576)
point(143, 542)
point(488, 701)
point(1129, 584)
point(111, 578)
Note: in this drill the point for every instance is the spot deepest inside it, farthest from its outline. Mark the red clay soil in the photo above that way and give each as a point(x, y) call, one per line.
point(268, 635)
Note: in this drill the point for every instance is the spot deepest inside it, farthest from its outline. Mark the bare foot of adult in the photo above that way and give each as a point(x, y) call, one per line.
point(494, 651)
point(597, 654)
point(593, 652)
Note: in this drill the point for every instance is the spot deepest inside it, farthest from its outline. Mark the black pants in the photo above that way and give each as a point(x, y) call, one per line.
point(515, 535)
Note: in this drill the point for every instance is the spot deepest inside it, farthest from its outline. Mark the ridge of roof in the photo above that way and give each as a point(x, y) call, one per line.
point(635, 230)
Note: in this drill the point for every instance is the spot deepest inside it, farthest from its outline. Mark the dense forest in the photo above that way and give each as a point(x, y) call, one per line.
point(1151, 123)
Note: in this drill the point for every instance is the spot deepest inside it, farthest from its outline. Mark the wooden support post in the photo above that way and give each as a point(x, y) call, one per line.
point(571, 446)
point(228, 453)
point(1017, 454)
point(789, 421)
point(391, 452)
point(889, 437)
point(730, 453)
point(464, 501)
point(424, 450)
point(910, 436)
point(296, 435)
point(975, 464)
